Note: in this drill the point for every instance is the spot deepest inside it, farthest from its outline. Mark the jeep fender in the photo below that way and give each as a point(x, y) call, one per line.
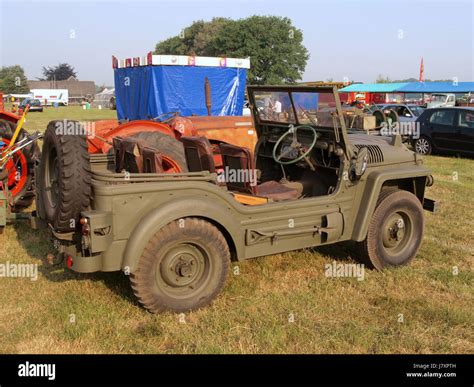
point(218, 214)
point(372, 188)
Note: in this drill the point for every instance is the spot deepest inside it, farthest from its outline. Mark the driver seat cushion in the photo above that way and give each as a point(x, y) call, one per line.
point(234, 157)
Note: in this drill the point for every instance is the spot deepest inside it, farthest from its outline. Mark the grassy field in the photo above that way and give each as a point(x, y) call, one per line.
point(37, 121)
point(275, 304)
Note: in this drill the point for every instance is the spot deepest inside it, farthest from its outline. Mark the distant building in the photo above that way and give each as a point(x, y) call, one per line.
point(78, 90)
point(404, 92)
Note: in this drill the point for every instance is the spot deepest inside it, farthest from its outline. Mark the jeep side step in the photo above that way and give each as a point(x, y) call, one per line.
point(430, 205)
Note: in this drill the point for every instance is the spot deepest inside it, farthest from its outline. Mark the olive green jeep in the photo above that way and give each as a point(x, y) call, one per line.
point(308, 183)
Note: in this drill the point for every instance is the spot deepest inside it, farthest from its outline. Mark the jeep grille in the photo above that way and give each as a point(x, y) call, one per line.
point(375, 153)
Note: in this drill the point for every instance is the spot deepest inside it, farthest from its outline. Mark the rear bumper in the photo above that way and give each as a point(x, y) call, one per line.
point(106, 261)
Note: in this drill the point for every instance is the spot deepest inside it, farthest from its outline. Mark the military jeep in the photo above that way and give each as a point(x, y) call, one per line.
point(307, 183)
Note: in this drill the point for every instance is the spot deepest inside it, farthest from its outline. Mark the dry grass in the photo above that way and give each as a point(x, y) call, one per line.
point(331, 315)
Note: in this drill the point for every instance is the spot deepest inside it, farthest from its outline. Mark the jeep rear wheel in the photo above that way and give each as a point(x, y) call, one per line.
point(395, 231)
point(183, 267)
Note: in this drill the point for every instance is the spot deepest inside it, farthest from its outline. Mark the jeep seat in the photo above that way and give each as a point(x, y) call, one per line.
point(134, 156)
point(199, 154)
point(118, 153)
point(152, 160)
point(239, 158)
point(127, 155)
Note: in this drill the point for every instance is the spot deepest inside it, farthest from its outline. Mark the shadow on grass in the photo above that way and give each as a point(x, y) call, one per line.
point(38, 243)
point(342, 251)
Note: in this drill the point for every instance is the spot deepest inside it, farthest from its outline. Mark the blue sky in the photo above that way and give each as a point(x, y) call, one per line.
point(353, 39)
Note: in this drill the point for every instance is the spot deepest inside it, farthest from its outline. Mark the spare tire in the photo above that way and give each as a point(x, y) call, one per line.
point(64, 181)
point(172, 150)
point(392, 117)
point(22, 186)
point(379, 118)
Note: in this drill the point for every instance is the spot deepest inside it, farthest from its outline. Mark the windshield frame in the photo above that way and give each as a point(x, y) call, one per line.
point(340, 132)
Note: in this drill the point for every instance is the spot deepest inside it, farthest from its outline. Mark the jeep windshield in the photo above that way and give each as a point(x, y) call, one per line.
point(296, 107)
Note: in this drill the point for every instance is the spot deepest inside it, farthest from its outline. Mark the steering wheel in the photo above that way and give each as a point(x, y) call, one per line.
point(294, 146)
point(166, 117)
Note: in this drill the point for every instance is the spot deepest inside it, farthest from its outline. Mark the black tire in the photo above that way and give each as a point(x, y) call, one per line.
point(166, 144)
point(25, 197)
point(395, 231)
point(64, 181)
point(379, 118)
point(182, 268)
point(423, 145)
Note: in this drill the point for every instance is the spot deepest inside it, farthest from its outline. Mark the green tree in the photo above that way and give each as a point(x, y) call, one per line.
point(274, 45)
point(61, 72)
point(13, 80)
point(382, 79)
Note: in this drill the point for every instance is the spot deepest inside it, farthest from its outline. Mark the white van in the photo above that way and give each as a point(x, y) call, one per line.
point(51, 96)
point(442, 100)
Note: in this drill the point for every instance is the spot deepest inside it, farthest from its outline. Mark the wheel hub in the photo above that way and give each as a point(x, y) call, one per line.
point(395, 231)
point(181, 267)
point(422, 146)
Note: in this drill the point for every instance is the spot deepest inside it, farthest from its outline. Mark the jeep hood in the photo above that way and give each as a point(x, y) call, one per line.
point(380, 149)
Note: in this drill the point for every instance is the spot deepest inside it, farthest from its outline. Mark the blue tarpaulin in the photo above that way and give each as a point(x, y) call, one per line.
point(145, 92)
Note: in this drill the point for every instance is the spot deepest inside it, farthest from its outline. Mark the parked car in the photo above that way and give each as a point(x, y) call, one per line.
point(406, 113)
point(441, 100)
point(446, 130)
point(35, 105)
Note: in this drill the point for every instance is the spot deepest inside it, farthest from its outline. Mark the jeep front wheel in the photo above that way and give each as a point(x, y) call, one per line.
point(395, 231)
point(183, 267)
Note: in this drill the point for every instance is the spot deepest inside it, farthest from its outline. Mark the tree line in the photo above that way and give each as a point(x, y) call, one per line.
point(274, 45)
point(13, 79)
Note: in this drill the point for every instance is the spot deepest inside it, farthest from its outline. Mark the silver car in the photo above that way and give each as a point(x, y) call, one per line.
point(406, 113)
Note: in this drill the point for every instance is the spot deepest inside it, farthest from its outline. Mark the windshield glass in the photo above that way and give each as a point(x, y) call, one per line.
point(416, 110)
point(438, 98)
point(274, 106)
point(311, 107)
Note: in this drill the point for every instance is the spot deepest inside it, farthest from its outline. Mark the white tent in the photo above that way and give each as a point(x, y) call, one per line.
point(106, 98)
